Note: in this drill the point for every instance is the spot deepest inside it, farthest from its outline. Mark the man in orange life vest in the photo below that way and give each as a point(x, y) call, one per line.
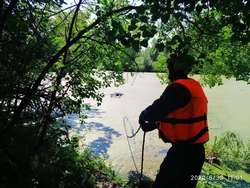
point(180, 115)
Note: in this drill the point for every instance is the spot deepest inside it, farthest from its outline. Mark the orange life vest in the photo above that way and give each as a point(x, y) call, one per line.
point(188, 124)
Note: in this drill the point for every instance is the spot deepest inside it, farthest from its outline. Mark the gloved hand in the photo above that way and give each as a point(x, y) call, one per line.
point(142, 117)
point(146, 125)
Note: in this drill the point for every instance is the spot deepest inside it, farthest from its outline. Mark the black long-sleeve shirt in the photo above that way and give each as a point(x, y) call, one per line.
point(174, 96)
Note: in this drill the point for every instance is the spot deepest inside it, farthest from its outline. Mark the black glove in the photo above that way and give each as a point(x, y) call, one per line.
point(142, 117)
point(146, 125)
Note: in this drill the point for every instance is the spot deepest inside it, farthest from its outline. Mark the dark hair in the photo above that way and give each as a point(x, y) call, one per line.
point(181, 63)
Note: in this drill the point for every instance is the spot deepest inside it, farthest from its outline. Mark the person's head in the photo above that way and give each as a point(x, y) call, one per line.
point(179, 65)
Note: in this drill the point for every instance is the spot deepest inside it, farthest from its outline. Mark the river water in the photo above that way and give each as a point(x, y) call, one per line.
point(104, 130)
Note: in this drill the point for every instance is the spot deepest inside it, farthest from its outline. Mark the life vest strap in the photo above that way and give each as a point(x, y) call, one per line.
point(175, 121)
point(195, 138)
point(200, 134)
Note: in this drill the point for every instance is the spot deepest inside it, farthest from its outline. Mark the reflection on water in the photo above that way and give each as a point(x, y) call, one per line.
point(101, 145)
point(163, 152)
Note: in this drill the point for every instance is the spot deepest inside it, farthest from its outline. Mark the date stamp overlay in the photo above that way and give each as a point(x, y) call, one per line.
point(211, 177)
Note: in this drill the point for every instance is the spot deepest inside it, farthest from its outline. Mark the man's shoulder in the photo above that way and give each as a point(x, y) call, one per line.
point(177, 90)
point(176, 86)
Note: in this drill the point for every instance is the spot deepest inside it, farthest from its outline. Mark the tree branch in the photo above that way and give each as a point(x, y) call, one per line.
point(109, 44)
point(58, 82)
point(55, 58)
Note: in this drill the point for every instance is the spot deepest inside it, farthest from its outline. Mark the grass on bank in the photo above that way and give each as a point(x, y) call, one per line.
point(227, 165)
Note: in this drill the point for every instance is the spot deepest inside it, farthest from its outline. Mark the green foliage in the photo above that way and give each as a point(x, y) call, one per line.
point(24, 48)
point(225, 59)
point(219, 177)
point(160, 64)
point(32, 151)
point(207, 32)
point(231, 151)
point(151, 60)
point(232, 172)
point(58, 163)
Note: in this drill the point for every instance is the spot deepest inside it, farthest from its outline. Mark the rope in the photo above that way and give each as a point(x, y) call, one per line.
point(124, 124)
point(142, 157)
point(130, 149)
point(128, 137)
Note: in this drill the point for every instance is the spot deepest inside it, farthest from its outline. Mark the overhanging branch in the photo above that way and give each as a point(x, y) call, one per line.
point(56, 57)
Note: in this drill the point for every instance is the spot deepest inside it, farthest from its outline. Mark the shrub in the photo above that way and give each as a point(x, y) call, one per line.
point(58, 163)
point(230, 150)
